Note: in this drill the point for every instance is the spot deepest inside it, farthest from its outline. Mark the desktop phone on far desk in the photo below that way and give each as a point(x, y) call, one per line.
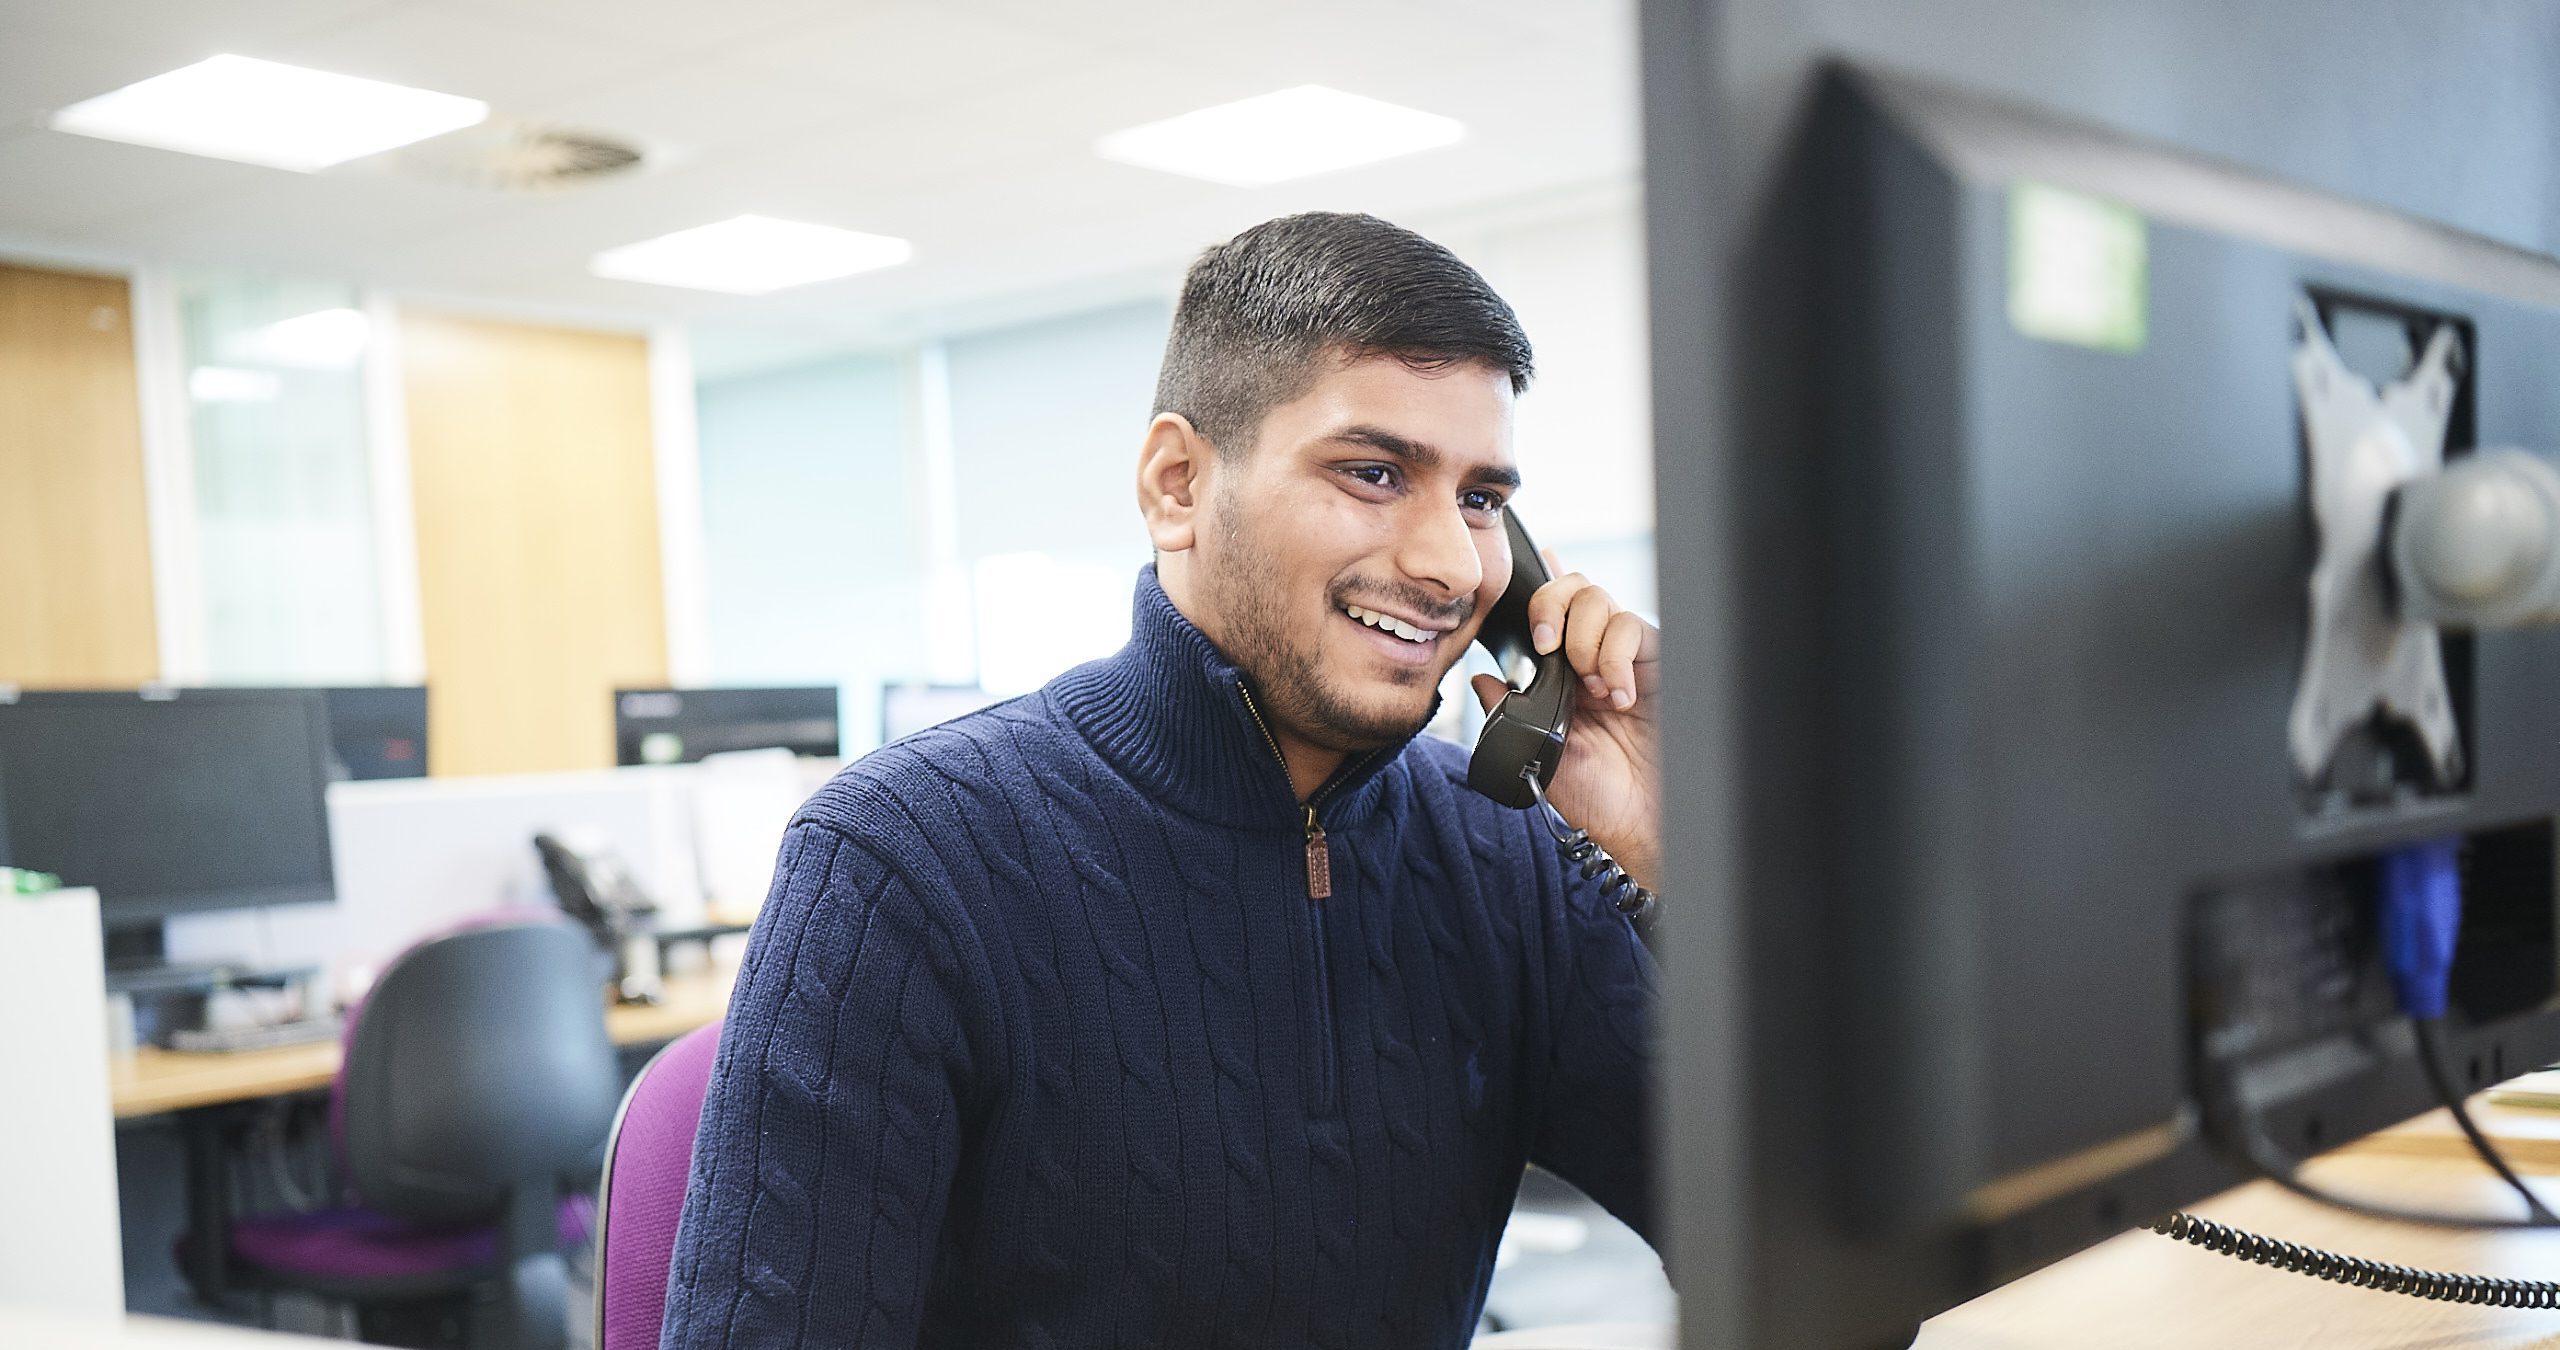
point(595, 888)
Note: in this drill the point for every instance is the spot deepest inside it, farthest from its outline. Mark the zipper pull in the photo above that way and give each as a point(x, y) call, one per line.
point(1319, 859)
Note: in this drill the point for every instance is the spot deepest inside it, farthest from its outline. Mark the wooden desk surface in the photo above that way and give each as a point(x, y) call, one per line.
point(155, 1080)
point(2143, 1290)
point(2529, 1136)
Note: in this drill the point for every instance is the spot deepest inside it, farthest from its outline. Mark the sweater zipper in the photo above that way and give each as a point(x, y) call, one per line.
point(1319, 887)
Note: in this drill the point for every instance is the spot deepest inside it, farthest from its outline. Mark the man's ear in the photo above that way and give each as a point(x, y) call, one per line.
point(1174, 466)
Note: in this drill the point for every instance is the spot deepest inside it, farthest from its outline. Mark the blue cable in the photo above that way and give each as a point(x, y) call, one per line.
point(2421, 922)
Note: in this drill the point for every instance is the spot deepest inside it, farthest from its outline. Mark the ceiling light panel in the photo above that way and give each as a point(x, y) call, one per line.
point(1272, 138)
point(265, 112)
point(750, 255)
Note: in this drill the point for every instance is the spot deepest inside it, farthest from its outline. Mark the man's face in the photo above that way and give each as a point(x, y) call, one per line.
point(1350, 554)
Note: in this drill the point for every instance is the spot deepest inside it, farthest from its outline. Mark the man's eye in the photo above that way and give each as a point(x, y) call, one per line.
point(1480, 500)
point(1375, 475)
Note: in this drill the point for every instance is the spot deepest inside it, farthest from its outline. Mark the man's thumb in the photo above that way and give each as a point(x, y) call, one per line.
point(1489, 690)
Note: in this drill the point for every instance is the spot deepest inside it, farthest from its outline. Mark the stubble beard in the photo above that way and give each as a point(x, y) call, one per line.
point(1287, 675)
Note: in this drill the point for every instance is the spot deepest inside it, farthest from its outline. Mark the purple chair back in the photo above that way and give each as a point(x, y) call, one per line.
point(646, 1163)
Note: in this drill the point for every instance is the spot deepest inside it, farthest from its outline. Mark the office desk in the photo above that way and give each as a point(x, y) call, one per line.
point(207, 1093)
point(2529, 1137)
point(2143, 1290)
point(154, 1080)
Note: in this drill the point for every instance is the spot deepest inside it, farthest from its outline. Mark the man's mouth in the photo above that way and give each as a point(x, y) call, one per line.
point(1388, 623)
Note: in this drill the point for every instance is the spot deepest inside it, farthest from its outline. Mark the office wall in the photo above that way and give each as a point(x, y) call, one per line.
point(822, 556)
point(1045, 422)
point(1576, 279)
point(75, 546)
point(813, 536)
point(537, 525)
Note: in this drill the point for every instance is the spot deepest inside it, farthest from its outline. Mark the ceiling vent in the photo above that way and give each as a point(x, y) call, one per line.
point(512, 156)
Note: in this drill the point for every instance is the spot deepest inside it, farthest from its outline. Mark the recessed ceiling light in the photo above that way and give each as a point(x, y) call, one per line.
point(750, 255)
point(262, 112)
point(1276, 137)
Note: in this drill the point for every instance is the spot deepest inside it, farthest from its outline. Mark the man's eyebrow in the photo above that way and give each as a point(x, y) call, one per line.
point(1420, 456)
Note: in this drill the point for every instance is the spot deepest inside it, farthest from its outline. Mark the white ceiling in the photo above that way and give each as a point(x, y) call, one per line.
point(963, 125)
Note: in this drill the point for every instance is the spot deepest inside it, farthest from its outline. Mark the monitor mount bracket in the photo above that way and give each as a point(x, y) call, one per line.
point(2364, 655)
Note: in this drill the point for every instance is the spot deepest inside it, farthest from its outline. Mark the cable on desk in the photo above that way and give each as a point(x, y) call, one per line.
point(2442, 1286)
point(2419, 917)
point(2262, 1155)
point(2431, 1058)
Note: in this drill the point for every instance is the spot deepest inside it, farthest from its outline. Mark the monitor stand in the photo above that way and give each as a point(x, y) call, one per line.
point(138, 964)
point(136, 947)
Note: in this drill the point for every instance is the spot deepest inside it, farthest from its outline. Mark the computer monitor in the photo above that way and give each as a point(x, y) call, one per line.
point(169, 801)
point(377, 731)
point(908, 708)
point(2008, 907)
point(680, 726)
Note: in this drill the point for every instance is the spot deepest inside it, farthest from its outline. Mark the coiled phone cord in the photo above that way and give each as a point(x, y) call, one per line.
point(1621, 890)
point(2240, 1244)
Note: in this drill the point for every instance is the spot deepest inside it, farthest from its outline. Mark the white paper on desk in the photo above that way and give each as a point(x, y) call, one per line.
point(742, 802)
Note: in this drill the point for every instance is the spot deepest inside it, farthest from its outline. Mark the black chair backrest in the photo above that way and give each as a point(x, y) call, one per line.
point(480, 1068)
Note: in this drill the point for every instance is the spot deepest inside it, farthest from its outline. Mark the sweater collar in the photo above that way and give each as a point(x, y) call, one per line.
point(1170, 711)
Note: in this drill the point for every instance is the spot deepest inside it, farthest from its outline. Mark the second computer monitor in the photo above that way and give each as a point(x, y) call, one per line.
point(680, 726)
point(377, 731)
point(169, 801)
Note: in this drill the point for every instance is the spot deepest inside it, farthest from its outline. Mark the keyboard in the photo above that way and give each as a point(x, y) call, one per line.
point(227, 1040)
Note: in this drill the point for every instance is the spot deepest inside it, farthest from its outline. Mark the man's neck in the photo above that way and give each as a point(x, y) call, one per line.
point(1309, 764)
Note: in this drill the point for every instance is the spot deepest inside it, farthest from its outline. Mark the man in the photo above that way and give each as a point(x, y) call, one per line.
point(1193, 1000)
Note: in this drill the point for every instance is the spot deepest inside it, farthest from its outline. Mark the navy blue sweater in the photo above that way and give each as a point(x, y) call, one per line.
point(1040, 1040)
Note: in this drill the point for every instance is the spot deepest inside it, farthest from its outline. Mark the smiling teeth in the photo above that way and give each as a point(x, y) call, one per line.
point(1389, 623)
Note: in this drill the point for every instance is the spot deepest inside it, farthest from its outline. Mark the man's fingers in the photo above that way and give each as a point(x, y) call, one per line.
point(1620, 647)
point(1586, 622)
point(1547, 609)
point(1489, 689)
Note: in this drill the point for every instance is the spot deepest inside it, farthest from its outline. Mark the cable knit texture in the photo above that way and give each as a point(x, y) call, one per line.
point(1040, 1042)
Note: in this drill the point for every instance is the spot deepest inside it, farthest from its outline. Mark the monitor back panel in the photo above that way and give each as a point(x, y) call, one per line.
point(2025, 613)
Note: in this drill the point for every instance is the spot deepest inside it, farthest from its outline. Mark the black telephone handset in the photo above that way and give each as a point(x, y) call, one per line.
point(1526, 730)
point(1523, 738)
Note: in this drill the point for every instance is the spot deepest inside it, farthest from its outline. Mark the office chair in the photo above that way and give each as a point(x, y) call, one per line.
point(646, 1163)
point(476, 1091)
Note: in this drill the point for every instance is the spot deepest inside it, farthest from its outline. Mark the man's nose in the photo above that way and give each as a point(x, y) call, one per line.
point(1439, 550)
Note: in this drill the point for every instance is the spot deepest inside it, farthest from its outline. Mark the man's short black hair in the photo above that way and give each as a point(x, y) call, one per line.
point(1260, 312)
